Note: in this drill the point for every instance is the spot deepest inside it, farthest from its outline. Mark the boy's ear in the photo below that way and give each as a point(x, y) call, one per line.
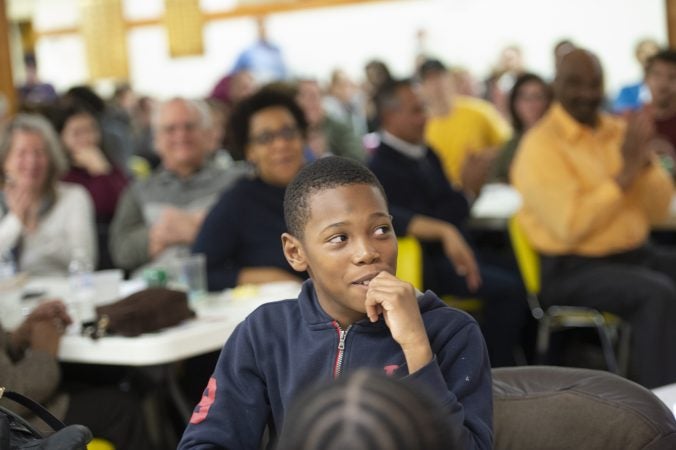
point(294, 253)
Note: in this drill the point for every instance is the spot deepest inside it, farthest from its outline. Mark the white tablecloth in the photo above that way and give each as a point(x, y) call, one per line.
point(217, 315)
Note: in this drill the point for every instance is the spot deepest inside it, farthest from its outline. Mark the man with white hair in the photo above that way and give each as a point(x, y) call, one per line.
point(157, 218)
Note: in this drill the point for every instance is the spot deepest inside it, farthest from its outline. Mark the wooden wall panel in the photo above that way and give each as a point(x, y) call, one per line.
point(670, 6)
point(6, 80)
point(183, 20)
point(105, 35)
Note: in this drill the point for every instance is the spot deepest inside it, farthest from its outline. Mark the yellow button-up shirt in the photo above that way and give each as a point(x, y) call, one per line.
point(571, 202)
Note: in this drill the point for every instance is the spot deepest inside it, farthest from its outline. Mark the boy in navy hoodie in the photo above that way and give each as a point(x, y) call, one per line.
point(352, 312)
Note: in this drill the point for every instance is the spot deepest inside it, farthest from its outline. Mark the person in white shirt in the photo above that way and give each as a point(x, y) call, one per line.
point(44, 223)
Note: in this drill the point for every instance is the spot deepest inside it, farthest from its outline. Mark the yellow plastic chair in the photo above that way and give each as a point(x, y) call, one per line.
point(410, 268)
point(610, 328)
point(409, 261)
point(100, 444)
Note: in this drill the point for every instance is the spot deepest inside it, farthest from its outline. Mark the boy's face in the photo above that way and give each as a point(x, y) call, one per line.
point(348, 240)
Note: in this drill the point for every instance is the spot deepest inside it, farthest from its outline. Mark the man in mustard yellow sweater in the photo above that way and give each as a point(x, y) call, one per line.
point(465, 132)
point(592, 188)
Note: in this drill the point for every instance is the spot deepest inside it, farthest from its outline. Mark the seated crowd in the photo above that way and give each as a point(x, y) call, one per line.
point(283, 182)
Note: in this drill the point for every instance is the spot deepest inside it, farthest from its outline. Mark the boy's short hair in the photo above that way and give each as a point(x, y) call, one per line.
point(320, 175)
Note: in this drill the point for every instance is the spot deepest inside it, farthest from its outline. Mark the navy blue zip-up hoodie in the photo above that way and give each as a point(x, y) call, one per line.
point(284, 347)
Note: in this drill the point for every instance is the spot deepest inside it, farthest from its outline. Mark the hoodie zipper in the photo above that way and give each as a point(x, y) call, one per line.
point(342, 334)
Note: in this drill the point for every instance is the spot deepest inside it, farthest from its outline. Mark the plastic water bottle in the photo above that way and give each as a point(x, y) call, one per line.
point(10, 293)
point(82, 290)
point(7, 266)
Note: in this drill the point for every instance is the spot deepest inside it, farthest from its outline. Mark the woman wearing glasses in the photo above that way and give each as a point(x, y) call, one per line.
point(241, 234)
point(529, 100)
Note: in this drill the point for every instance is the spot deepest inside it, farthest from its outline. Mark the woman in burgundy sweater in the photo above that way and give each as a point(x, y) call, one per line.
point(90, 167)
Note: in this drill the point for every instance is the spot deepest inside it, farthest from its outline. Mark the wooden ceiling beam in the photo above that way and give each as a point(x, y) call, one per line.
point(241, 11)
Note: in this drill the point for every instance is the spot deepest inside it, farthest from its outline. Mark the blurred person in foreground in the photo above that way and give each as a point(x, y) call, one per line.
point(366, 410)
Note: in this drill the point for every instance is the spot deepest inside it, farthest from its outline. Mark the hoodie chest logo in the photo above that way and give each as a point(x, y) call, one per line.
point(391, 369)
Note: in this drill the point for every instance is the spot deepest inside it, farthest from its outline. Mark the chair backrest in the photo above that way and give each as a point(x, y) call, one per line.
point(526, 257)
point(409, 261)
point(536, 407)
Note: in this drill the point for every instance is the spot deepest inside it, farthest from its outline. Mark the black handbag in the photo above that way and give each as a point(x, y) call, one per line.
point(17, 433)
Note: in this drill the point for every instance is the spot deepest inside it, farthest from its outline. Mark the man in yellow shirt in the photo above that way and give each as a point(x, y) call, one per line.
point(591, 189)
point(465, 132)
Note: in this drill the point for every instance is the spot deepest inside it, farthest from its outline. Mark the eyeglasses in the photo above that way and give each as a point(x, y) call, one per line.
point(287, 133)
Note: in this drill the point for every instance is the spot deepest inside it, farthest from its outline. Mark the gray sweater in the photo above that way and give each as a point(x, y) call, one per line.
point(143, 202)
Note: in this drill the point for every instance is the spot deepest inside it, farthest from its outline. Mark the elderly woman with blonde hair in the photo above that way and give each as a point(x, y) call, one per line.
point(44, 223)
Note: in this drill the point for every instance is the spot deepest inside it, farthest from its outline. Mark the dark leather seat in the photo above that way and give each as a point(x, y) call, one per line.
point(540, 407)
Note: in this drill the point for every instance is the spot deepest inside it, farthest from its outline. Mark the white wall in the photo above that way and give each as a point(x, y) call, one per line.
point(463, 32)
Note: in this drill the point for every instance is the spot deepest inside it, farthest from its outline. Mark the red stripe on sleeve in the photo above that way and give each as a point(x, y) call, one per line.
point(202, 409)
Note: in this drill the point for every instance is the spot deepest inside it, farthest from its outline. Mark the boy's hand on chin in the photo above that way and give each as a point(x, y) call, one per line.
point(397, 302)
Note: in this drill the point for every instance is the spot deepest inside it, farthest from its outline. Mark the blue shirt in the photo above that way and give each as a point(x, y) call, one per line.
point(631, 97)
point(264, 60)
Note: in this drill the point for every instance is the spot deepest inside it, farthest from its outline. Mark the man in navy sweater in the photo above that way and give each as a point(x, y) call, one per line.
point(352, 313)
point(425, 205)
